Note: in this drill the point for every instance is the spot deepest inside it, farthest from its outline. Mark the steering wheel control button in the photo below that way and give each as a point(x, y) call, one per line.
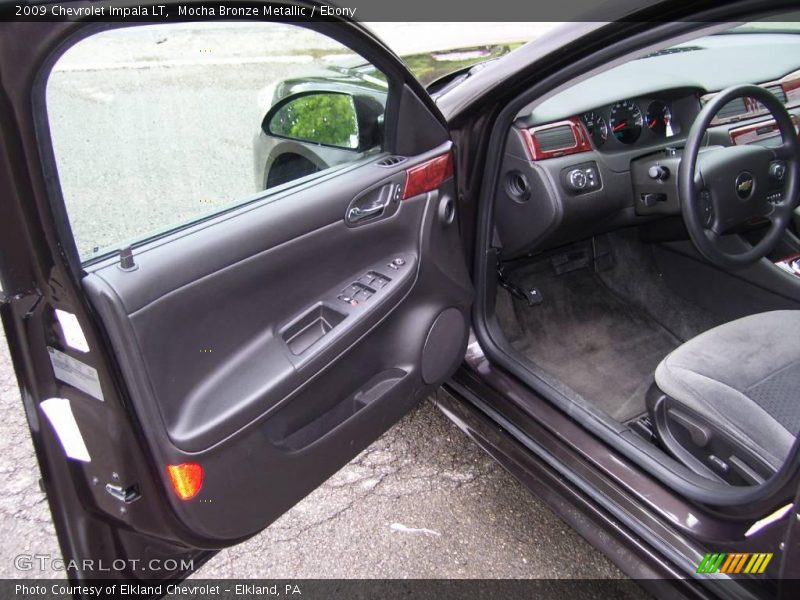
point(775, 197)
point(706, 208)
point(777, 171)
point(658, 172)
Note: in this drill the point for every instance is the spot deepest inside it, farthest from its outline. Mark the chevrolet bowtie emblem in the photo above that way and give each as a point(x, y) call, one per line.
point(744, 185)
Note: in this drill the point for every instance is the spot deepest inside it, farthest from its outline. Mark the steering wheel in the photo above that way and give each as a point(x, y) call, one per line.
point(722, 187)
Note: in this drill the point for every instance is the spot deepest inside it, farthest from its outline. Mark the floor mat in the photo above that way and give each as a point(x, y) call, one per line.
point(636, 276)
point(602, 347)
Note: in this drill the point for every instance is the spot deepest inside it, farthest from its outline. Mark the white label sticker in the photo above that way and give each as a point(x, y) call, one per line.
point(73, 334)
point(74, 372)
point(59, 413)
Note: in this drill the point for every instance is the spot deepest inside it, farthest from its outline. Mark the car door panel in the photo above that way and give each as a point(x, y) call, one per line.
point(227, 345)
point(212, 356)
point(242, 340)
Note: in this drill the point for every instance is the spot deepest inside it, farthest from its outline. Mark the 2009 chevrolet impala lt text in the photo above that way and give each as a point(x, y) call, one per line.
point(586, 248)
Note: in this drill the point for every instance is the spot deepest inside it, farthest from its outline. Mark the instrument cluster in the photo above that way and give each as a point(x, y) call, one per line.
point(628, 121)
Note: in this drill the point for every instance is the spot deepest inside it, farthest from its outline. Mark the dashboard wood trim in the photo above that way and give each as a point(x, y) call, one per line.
point(755, 132)
point(535, 151)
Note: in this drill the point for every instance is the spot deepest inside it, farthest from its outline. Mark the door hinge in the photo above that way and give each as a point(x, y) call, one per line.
point(24, 304)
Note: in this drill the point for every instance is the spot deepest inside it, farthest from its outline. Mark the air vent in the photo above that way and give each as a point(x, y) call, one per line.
point(391, 161)
point(778, 92)
point(678, 50)
point(741, 108)
point(555, 138)
point(734, 108)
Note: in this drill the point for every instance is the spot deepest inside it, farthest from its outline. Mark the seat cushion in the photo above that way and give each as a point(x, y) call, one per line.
point(745, 376)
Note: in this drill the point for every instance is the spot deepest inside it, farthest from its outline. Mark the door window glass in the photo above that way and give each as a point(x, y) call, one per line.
point(157, 126)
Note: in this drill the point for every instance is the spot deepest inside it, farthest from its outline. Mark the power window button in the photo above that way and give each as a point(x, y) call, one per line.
point(380, 282)
point(351, 290)
point(364, 295)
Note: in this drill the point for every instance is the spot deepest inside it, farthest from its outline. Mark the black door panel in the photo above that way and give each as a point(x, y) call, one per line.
point(234, 344)
point(291, 359)
point(225, 361)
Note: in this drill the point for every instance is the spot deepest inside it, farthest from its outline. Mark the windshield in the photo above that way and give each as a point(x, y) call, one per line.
point(768, 27)
point(434, 50)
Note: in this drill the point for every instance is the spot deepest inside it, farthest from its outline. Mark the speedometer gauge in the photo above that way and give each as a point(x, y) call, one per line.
point(597, 128)
point(626, 121)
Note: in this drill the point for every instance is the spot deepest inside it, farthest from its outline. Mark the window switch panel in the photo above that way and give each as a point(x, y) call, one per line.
point(355, 293)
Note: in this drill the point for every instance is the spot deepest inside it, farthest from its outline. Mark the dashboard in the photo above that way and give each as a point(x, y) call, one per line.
point(580, 163)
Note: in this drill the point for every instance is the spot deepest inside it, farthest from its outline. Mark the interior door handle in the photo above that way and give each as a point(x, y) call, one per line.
point(372, 204)
point(357, 213)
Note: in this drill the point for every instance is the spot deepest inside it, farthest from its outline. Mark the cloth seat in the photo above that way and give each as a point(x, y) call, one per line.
point(745, 377)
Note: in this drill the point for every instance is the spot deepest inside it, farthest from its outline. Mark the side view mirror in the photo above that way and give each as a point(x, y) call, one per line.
point(337, 119)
